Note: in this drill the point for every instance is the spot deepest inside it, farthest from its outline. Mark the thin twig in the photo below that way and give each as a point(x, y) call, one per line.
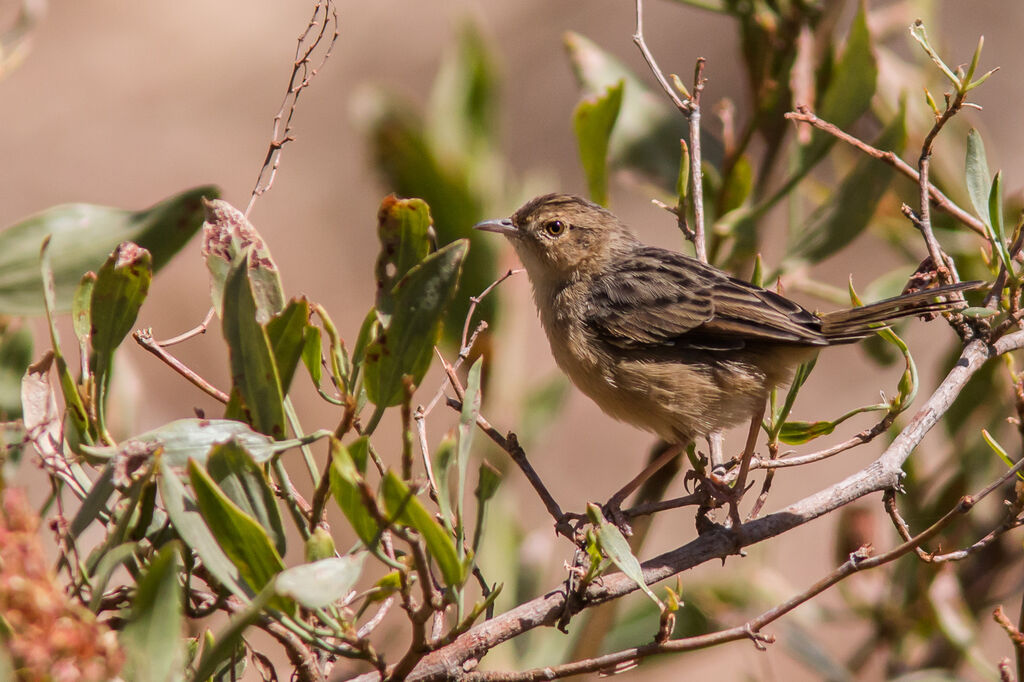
point(510, 445)
point(144, 337)
point(1011, 522)
point(861, 438)
point(690, 108)
point(474, 301)
point(325, 14)
point(940, 200)
point(191, 333)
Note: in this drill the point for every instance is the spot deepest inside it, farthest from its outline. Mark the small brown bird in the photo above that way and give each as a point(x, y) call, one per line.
point(661, 340)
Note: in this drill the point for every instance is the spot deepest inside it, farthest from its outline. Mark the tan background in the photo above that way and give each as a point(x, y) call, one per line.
point(123, 103)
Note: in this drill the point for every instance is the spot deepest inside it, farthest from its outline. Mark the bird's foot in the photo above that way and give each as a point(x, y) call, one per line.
point(612, 511)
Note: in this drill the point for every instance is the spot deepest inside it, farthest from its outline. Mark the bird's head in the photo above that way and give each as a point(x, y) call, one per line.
point(561, 237)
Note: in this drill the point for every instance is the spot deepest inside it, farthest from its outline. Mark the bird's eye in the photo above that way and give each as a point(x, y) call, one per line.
point(554, 227)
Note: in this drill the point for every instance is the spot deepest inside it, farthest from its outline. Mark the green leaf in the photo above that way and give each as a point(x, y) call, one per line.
point(190, 527)
point(244, 482)
point(286, 335)
point(463, 101)
point(849, 91)
point(444, 458)
point(121, 286)
point(81, 311)
point(403, 226)
point(15, 357)
point(152, 638)
point(406, 509)
point(467, 427)
point(648, 128)
point(849, 211)
point(227, 236)
point(413, 165)
point(253, 371)
point(979, 183)
point(94, 506)
point(82, 236)
point(1000, 451)
point(593, 121)
point(241, 538)
point(321, 583)
point(615, 546)
point(73, 405)
point(736, 186)
point(797, 432)
point(346, 477)
point(312, 349)
point(319, 545)
point(487, 484)
point(185, 439)
point(977, 312)
point(408, 344)
point(995, 208)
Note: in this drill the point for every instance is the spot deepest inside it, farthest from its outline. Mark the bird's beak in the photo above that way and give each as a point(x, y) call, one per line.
point(503, 226)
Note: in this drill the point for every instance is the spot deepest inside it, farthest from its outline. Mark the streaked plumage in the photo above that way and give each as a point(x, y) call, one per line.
point(661, 340)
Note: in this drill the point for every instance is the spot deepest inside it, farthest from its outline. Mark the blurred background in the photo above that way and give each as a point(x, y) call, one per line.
point(123, 104)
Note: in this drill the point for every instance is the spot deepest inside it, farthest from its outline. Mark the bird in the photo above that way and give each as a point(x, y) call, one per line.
point(666, 342)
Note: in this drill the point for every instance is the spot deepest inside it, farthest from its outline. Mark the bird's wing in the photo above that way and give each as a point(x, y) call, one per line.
point(658, 299)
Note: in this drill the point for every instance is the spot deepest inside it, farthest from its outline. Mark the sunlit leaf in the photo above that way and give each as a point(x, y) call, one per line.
point(403, 227)
point(185, 439)
point(979, 181)
point(254, 373)
point(321, 583)
point(286, 334)
point(346, 476)
point(121, 286)
point(467, 428)
point(593, 121)
point(227, 236)
point(244, 482)
point(408, 346)
point(616, 547)
point(648, 128)
point(242, 539)
point(405, 508)
point(189, 525)
point(82, 237)
point(797, 432)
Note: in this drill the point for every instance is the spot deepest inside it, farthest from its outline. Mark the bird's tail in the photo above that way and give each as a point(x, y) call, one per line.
point(854, 324)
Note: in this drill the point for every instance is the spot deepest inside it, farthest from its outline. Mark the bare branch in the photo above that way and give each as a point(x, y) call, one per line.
point(940, 200)
point(144, 337)
point(690, 108)
point(882, 474)
point(325, 14)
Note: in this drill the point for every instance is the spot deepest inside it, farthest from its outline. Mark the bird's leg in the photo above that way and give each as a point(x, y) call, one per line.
point(741, 478)
point(716, 458)
point(613, 507)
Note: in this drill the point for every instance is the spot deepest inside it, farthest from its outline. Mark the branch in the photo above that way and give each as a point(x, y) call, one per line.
point(690, 108)
point(144, 337)
point(882, 474)
point(940, 200)
point(301, 77)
